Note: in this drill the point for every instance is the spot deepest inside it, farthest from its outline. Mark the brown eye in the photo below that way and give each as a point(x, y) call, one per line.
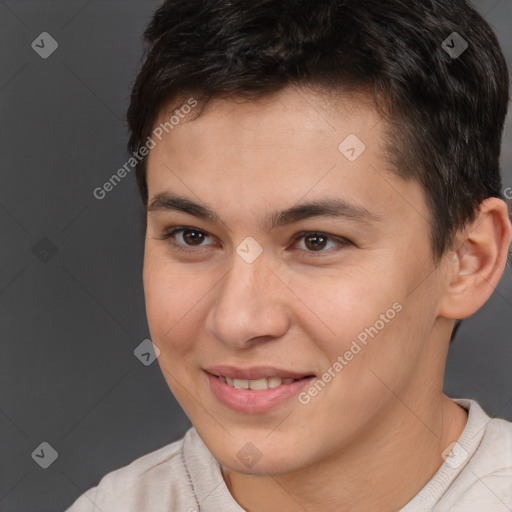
point(187, 238)
point(315, 242)
point(193, 237)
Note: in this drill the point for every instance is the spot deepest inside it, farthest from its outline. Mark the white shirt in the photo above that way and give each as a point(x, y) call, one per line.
point(184, 477)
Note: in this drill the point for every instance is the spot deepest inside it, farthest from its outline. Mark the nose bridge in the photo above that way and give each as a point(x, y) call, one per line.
point(247, 304)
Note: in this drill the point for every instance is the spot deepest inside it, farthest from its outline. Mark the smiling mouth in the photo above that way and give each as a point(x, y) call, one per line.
point(255, 390)
point(258, 384)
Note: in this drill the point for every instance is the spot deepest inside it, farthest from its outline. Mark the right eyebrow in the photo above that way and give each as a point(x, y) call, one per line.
point(170, 202)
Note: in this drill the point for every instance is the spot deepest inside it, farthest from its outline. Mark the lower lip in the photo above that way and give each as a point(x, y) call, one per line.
point(253, 402)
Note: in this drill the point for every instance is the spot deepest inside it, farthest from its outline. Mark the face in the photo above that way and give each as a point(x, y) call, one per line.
point(283, 253)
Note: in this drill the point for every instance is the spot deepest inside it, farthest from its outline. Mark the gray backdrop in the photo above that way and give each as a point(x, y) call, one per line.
point(72, 308)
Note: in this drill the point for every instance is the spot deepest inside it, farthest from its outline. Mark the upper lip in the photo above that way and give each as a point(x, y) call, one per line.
point(255, 372)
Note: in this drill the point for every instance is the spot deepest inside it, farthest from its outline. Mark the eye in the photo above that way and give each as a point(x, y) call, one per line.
point(317, 242)
point(191, 239)
point(185, 238)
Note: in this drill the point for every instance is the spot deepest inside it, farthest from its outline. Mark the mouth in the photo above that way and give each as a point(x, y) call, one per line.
point(256, 384)
point(255, 390)
point(256, 378)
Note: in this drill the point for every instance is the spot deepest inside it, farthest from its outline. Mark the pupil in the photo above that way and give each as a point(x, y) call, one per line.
point(193, 237)
point(315, 242)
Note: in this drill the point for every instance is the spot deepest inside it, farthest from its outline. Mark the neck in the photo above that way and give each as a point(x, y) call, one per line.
point(383, 470)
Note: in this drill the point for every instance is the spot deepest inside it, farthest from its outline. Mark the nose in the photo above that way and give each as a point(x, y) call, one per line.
point(249, 305)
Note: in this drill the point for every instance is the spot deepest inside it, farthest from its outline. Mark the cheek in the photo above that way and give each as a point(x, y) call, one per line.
point(346, 305)
point(174, 298)
point(174, 309)
point(365, 320)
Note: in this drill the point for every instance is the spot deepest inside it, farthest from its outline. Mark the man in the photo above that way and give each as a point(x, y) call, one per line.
point(323, 200)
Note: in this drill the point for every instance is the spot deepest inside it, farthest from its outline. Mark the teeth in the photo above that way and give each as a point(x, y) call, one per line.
point(241, 383)
point(274, 382)
point(256, 384)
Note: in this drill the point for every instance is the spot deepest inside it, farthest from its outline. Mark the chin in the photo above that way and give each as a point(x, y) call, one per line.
point(263, 461)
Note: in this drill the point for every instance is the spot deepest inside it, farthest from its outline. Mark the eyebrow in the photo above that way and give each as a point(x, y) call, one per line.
point(327, 207)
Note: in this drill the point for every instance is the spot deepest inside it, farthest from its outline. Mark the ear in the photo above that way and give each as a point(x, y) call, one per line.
point(477, 260)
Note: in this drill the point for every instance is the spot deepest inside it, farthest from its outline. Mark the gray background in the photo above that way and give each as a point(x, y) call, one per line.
point(72, 307)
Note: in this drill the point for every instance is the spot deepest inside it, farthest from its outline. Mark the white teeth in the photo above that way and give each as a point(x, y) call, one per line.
point(256, 384)
point(274, 382)
point(241, 383)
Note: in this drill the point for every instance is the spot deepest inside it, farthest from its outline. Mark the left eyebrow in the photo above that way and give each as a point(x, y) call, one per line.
point(327, 207)
point(335, 208)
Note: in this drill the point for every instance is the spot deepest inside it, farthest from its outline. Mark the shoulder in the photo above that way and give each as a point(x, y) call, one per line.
point(161, 473)
point(492, 438)
point(485, 482)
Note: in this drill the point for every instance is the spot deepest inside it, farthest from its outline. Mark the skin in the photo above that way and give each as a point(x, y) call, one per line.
point(382, 419)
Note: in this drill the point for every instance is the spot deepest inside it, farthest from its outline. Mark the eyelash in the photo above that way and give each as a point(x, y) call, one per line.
point(169, 233)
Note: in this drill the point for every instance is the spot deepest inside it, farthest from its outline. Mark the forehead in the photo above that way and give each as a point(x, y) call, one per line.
point(290, 112)
point(276, 131)
point(296, 144)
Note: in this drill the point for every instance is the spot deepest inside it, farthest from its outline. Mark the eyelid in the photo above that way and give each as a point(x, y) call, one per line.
point(341, 241)
point(171, 231)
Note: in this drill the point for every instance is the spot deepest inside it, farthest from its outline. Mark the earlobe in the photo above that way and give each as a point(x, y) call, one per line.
point(479, 261)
